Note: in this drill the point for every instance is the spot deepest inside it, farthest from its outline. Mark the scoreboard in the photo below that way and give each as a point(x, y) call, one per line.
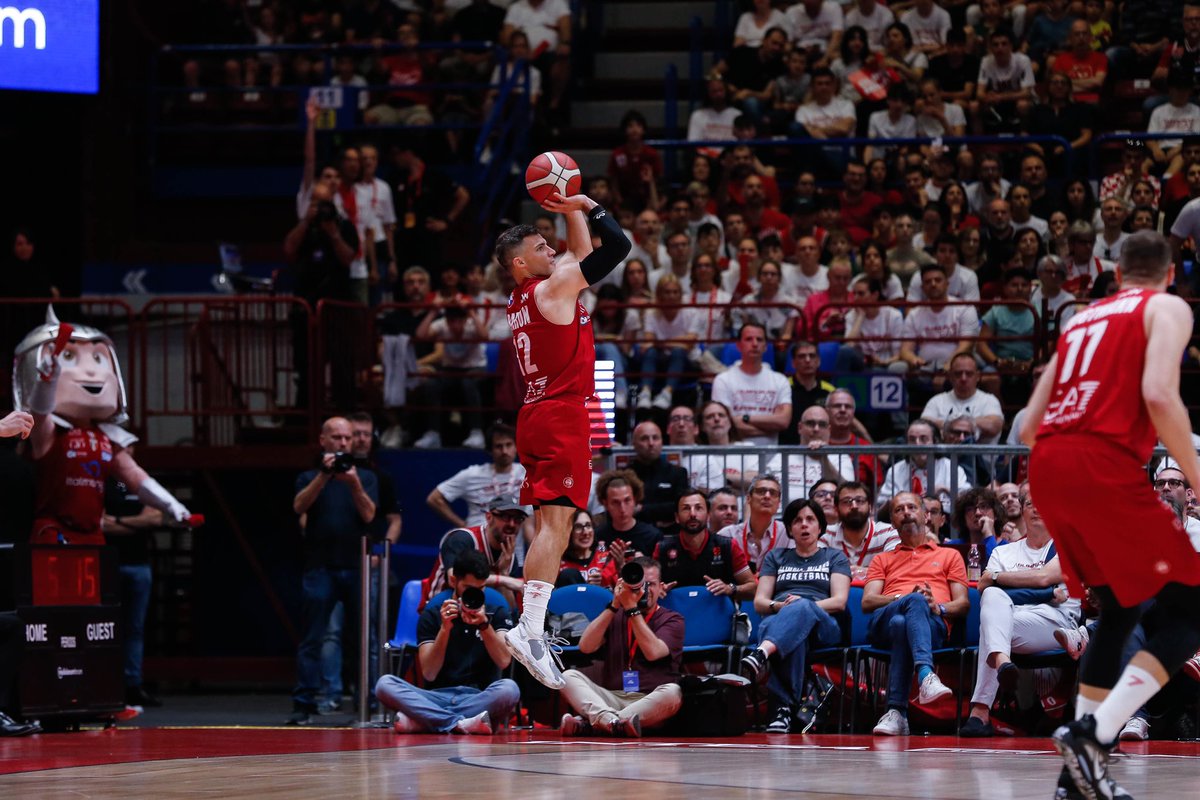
point(68, 598)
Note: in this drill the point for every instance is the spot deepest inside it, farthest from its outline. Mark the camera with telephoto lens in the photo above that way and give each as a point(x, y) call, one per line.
point(326, 211)
point(342, 462)
point(472, 598)
point(634, 577)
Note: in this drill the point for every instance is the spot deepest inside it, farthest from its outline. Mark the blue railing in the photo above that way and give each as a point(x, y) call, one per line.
point(1104, 141)
point(503, 138)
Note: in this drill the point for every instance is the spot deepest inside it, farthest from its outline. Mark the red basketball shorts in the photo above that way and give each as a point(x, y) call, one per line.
point(1108, 525)
point(554, 445)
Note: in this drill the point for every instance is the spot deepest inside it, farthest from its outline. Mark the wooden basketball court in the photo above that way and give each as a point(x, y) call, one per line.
point(322, 762)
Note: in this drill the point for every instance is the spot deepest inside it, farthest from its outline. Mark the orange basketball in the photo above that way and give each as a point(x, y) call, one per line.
point(551, 172)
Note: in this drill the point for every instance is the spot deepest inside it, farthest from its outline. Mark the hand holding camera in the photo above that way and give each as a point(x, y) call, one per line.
point(339, 465)
point(449, 612)
point(630, 592)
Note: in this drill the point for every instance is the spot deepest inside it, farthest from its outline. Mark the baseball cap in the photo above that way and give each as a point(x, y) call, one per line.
point(503, 503)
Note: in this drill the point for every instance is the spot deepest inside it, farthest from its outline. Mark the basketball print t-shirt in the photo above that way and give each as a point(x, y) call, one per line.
point(808, 576)
point(1101, 357)
point(555, 360)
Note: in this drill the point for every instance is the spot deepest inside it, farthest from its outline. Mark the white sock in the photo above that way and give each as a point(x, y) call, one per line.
point(533, 616)
point(1135, 687)
point(1085, 705)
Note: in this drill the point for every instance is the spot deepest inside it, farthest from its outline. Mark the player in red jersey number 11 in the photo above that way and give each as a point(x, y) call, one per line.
point(552, 335)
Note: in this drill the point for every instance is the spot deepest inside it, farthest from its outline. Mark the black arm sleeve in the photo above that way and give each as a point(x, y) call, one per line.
point(614, 247)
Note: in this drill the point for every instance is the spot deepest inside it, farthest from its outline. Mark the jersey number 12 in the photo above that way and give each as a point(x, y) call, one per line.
point(525, 348)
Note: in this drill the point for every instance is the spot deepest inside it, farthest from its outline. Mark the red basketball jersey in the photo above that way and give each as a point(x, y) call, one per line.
point(70, 482)
point(556, 360)
point(1098, 383)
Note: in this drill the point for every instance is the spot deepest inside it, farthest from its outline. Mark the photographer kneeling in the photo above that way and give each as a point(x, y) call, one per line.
point(642, 643)
point(460, 655)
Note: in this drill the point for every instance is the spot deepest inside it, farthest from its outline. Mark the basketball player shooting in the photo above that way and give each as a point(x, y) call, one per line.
point(552, 334)
point(1109, 391)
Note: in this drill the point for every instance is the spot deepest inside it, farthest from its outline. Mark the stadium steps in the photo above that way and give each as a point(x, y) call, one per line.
point(638, 43)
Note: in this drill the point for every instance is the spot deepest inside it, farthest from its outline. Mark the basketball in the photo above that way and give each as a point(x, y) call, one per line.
point(551, 172)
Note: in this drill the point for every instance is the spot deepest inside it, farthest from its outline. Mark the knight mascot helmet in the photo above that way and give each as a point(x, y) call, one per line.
point(68, 377)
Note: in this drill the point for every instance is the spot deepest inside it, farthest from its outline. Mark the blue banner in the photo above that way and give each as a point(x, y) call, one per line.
point(50, 46)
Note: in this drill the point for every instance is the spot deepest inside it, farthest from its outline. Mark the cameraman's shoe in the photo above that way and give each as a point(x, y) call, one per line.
point(615, 726)
point(572, 725)
point(538, 654)
point(478, 725)
point(782, 722)
point(1086, 758)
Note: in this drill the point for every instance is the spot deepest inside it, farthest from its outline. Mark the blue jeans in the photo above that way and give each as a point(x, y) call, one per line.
point(135, 599)
point(607, 351)
point(792, 630)
point(331, 646)
point(438, 710)
point(331, 656)
point(323, 588)
point(911, 632)
point(675, 360)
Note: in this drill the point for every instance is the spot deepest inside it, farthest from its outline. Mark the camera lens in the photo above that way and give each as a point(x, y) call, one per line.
point(472, 598)
point(633, 575)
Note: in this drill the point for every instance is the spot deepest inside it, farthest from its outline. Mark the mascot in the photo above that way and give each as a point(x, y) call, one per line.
point(68, 378)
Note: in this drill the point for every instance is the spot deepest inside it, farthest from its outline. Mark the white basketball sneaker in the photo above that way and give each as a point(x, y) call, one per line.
point(538, 653)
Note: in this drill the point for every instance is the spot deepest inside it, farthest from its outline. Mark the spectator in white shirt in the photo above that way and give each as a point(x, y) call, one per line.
point(713, 121)
point(929, 25)
point(1020, 205)
point(547, 23)
point(935, 116)
point(937, 332)
point(669, 335)
point(479, 484)
point(752, 25)
point(759, 397)
point(816, 26)
point(1004, 90)
point(1049, 296)
point(872, 332)
point(966, 399)
point(873, 17)
point(1111, 237)
point(962, 283)
point(376, 222)
point(1178, 115)
point(809, 276)
point(893, 122)
point(913, 474)
point(825, 116)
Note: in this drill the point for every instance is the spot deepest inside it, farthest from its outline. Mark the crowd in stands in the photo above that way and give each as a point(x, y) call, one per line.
point(915, 572)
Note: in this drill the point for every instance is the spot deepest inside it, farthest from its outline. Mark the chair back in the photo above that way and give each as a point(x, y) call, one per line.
point(971, 626)
point(708, 618)
point(858, 618)
point(586, 598)
point(406, 618)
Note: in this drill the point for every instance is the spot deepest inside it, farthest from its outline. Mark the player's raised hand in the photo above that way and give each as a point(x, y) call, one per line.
point(564, 205)
point(17, 423)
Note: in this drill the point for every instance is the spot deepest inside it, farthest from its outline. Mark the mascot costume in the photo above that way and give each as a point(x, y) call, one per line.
point(68, 378)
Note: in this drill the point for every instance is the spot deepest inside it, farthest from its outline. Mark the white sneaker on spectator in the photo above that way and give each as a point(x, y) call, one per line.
point(643, 400)
point(931, 689)
point(893, 723)
point(572, 725)
point(663, 400)
point(475, 440)
point(1136, 730)
point(1073, 640)
point(432, 440)
point(478, 725)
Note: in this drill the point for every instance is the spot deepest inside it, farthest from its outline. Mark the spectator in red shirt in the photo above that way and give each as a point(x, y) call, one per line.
point(1085, 67)
point(826, 310)
point(857, 203)
point(762, 219)
point(405, 68)
point(634, 168)
point(1176, 188)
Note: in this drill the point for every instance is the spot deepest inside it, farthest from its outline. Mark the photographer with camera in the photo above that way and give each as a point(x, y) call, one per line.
point(320, 248)
point(642, 645)
point(460, 655)
point(338, 502)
